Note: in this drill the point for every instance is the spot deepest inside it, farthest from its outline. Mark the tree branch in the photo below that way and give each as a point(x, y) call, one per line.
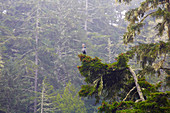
point(129, 93)
point(146, 17)
point(137, 85)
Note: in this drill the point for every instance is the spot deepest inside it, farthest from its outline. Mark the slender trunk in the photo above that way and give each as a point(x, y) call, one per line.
point(169, 31)
point(36, 57)
point(85, 24)
point(109, 50)
point(42, 97)
point(137, 85)
point(168, 7)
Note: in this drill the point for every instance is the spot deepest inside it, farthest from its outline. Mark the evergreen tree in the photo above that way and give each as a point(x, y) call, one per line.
point(46, 96)
point(153, 57)
point(116, 80)
point(69, 101)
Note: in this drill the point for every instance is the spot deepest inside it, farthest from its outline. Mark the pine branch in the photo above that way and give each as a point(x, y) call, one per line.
point(25, 54)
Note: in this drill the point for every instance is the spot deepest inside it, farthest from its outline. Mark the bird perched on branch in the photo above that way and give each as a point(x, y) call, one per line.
point(84, 49)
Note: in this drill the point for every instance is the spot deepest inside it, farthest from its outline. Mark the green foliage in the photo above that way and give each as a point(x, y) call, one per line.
point(107, 107)
point(46, 98)
point(103, 78)
point(122, 61)
point(156, 103)
point(61, 32)
point(137, 17)
point(151, 57)
point(115, 106)
point(14, 88)
point(68, 101)
point(86, 90)
point(62, 101)
point(96, 73)
point(148, 88)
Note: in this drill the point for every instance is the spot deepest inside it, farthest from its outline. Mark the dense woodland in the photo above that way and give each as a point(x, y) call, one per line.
point(126, 68)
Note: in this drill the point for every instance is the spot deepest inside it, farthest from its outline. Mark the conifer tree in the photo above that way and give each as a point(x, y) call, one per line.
point(119, 80)
point(46, 98)
point(153, 57)
point(69, 101)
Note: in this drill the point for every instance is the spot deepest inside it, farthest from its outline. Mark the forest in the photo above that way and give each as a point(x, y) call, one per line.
point(126, 68)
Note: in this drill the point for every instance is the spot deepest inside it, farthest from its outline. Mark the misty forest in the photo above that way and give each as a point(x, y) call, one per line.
point(84, 56)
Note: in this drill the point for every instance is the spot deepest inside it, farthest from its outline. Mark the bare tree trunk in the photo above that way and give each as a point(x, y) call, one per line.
point(36, 57)
point(169, 30)
point(109, 50)
point(42, 97)
point(137, 85)
point(168, 7)
point(85, 24)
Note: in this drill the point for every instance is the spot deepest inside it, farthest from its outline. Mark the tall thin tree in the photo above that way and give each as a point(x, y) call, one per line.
point(36, 55)
point(86, 13)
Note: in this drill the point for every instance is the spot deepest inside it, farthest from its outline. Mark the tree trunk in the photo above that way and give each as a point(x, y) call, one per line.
point(85, 24)
point(168, 7)
point(109, 50)
point(36, 57)
point(42, 96)
point(169, 31)
point(137, 85)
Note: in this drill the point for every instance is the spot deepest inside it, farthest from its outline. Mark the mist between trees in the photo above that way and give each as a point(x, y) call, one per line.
point(126, 68)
